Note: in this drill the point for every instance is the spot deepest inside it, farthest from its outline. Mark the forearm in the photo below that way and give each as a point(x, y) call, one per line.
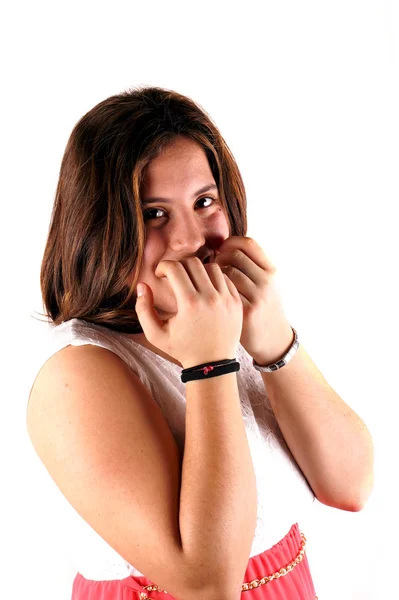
point(218, 500)
point(329, 441)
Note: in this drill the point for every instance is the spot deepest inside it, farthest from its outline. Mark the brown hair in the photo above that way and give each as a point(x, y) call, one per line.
point(97, 232)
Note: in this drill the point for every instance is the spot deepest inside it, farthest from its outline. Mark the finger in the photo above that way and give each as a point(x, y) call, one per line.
point(249, 247)
point(232, 288)
point(216, 275)
point(146, 313)
point(178, 278)
point(190, 276)
point(242, 264)
point(201, 277)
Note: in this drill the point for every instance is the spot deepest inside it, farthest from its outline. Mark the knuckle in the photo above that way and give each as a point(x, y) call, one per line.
point(193, 302)
point(187, 262)
point(163, 264)
point(228, 270)
point(174, 266)
point(213, 299)
point(193, 259)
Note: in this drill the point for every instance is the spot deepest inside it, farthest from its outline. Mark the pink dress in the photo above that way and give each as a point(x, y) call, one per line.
point(296, 584)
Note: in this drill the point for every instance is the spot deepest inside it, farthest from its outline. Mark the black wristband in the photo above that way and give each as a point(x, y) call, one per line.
point(209, 370)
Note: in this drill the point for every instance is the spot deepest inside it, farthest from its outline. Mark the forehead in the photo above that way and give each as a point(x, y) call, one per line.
point(183, 163)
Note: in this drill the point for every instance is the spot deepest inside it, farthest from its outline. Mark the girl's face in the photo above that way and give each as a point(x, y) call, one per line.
point(183, 215)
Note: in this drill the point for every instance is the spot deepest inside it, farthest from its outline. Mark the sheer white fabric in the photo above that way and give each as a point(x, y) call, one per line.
point(284, 496)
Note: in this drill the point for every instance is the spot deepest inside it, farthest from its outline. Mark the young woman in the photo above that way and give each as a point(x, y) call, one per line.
point(150, 412)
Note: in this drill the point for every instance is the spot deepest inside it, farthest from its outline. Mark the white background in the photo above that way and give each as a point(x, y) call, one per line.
point(306, 94)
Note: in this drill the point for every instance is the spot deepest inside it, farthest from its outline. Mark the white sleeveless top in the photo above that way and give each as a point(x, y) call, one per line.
point(284, 496)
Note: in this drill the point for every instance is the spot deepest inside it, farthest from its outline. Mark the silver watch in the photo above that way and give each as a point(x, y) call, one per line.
point(283, 361)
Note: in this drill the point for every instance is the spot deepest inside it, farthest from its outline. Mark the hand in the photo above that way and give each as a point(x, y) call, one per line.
point(208, 321)
point(266, 334)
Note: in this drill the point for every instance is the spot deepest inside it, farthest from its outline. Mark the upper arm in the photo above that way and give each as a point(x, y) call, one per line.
point(108, 448)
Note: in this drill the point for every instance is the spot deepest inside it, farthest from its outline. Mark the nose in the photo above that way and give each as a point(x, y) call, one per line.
point(187, 235)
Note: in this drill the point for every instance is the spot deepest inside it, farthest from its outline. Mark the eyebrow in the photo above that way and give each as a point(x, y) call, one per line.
point(206, 188)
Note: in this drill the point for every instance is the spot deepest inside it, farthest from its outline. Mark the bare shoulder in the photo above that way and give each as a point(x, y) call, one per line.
point(108, 448)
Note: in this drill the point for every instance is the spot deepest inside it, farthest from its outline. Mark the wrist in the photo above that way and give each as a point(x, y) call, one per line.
point(202, 363)
point(274, 355)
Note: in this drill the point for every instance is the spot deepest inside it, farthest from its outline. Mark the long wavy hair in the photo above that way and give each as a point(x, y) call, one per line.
point(97, 233)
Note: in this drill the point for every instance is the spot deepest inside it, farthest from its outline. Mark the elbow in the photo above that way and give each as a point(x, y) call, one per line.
point(354, 500)
point(213, 590)
point(361, 500)
point(350, 488)
point(355, 507)
point(353, 504)
point(362, 493)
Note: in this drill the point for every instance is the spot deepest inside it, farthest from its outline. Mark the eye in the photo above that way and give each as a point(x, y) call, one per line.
point(147, 213)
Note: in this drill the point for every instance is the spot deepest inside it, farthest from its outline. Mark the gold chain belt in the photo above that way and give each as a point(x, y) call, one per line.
point(253, 584)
